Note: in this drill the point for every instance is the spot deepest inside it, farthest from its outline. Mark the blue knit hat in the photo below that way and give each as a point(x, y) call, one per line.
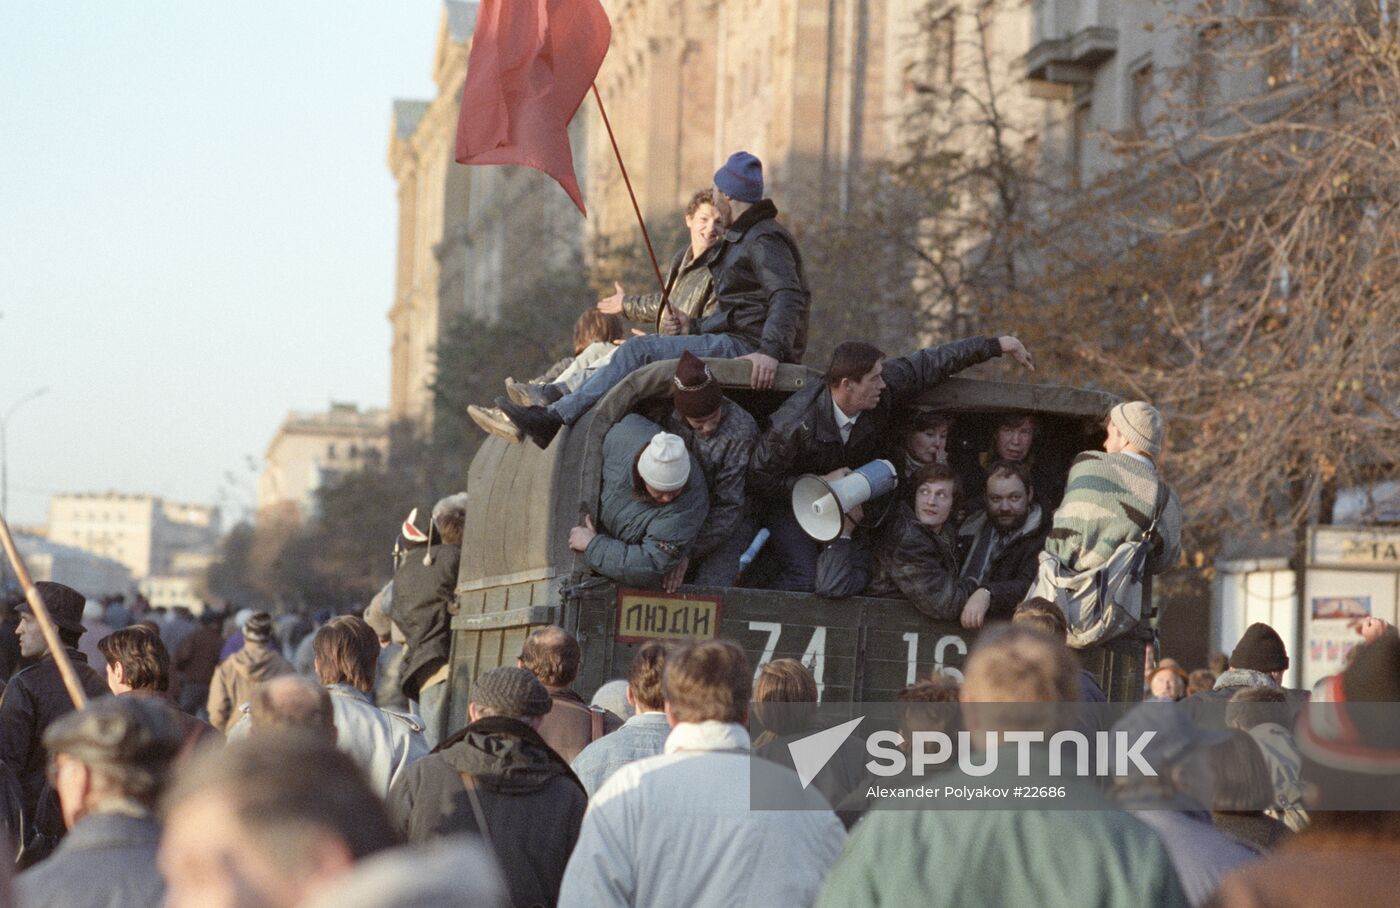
point(741, 178)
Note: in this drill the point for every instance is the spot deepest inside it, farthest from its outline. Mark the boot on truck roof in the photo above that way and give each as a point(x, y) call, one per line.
point(518, 573)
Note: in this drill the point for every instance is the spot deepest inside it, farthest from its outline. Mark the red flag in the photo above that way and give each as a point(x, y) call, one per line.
point(531, 64)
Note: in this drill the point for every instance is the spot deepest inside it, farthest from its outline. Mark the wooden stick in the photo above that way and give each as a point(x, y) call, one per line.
point(665, 291)
point(41, 614)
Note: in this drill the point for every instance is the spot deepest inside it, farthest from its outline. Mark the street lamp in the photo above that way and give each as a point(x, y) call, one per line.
point(4, 447)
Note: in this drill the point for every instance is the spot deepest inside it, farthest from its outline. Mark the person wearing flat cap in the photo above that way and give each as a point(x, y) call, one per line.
point(35, 697)
point(653, 504)
point(499, 779)
point(110, 764)
point(721, 435)
point(1111, 495)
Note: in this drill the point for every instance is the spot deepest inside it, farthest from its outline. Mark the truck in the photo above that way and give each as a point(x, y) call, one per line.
point(517, 572)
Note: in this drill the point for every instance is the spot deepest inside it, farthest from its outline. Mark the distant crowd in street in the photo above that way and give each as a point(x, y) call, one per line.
point(320, 797)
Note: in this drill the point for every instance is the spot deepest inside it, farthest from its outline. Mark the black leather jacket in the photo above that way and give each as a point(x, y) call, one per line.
point(803, 438)
point(913, 561)
point(759, 286)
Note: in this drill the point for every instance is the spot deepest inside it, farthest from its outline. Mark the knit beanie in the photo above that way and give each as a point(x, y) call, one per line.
point(1347, 735)
point(258, 628)
point(1140, 424)
point(741, 178)
point(511, 691)
point(694, 390)
point(1261, 649)
point(665, 463)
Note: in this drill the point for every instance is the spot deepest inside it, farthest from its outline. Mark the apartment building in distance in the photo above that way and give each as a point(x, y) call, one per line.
point(92, 575)
point(141, 532)
point(310, 449)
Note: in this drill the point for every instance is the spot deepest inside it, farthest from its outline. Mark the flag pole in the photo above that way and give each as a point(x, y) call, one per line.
point(665, 291)
point(41, 614)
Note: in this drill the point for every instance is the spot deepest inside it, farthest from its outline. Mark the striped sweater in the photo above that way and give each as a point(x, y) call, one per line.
point(1108, 501)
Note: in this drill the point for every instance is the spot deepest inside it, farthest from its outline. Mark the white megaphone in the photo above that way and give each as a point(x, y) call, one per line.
point(820, 505)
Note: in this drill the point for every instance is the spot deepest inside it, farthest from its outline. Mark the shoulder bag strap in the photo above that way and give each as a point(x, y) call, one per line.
point(469, 783)
point(1159, 507)
point(596, 715)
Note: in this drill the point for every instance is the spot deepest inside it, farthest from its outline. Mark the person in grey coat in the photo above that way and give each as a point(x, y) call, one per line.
point(110, 762)
point(384, 743)
point(653, 504)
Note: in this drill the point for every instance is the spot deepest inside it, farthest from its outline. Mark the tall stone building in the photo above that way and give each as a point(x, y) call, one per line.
point(310, 449)
point(468, 237)
point(815, 88)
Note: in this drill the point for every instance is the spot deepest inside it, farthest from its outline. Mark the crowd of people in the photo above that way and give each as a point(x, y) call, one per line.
point(316, 796)
point(260, 762)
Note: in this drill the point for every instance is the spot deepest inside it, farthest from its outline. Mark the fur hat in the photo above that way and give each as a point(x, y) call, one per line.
point(665, 463)
point(1261, 648)
point(1140, 424)
point(694, 390)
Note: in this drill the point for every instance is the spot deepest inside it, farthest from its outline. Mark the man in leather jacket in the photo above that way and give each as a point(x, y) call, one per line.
point(761, 313)
point(832, 427)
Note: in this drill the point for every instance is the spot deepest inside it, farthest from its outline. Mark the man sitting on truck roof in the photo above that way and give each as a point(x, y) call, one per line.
point(832, 427)
point(761, 315)
point(653, 504)
point(721, 435)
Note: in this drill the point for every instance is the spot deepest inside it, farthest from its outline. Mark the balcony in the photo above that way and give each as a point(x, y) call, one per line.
point(1071, 39)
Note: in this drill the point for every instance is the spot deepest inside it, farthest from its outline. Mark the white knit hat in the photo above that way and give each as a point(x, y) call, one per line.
point(665, 463)
point(1140, 424)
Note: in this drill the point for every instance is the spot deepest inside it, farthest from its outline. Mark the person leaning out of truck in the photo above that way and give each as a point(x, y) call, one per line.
point(915, 554)
point(721, 435)
point(653, 504)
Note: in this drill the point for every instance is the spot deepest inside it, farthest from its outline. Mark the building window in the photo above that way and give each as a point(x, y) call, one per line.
point(1080, 125)
point(1140, 99)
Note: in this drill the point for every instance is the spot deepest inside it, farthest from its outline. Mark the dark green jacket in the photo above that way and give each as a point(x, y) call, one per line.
point(934, 854)
point(638, 540)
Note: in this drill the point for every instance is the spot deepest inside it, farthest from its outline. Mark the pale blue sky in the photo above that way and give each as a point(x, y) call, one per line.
point(196, 229)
